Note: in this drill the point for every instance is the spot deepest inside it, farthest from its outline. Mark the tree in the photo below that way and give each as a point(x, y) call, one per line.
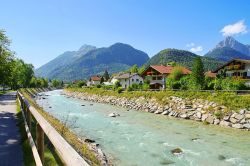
point(106, 75)
point(81, 84)
point(102, 80)
point(141, 70)
point(56, 83)
point(6, 58)
point(176, 73)
point(197, 75)
point(134, 69)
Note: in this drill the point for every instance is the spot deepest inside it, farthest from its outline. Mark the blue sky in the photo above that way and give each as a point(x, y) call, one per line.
point(43, 29)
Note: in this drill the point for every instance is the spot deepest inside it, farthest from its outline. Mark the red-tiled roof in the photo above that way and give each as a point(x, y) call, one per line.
point(95, 78)
point(168, 69)
point(210, 74)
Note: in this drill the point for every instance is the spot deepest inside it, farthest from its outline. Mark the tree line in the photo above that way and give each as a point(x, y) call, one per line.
point(15, 73)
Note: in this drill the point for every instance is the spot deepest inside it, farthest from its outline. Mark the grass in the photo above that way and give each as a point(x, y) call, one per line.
point(28, 158)
point(228, 99)
point(71, 138)
point(50, 156)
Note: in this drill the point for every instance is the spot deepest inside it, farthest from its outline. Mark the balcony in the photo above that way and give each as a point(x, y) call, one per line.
point(235, 67)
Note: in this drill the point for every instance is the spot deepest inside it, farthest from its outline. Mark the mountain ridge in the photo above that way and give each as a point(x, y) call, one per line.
point(228, 49)
point(114, 58)
point(182, 57)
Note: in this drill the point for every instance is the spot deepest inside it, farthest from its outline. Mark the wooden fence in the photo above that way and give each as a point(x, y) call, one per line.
point(67, 154)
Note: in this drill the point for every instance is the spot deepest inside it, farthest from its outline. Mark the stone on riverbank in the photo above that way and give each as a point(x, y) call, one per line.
point(113, 114)
point(195, 109)
point(177, 151)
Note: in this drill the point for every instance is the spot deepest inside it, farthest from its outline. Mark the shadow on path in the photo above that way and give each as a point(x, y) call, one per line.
point(10, 148)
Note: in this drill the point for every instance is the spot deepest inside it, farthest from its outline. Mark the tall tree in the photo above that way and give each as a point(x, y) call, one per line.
point(134, 69)
point(106, 75)
point(197, 74)
point(6, 58)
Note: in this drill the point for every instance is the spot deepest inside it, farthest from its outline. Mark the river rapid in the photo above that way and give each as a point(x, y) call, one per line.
point(143, 139)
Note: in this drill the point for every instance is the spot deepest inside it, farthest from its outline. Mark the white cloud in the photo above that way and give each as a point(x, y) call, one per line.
point(196, 49)
point(190, 44)
point(234, 29)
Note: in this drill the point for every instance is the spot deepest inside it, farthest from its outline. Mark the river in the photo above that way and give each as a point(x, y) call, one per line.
point(139, 138)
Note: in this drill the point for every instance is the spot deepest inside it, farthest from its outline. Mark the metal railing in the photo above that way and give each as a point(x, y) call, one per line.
point(67, 154)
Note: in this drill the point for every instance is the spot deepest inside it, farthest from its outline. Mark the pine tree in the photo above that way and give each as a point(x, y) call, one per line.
point(197, 75)
point(106, 75)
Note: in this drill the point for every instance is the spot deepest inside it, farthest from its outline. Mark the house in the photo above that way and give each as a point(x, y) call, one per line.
point(210, 74)
point(238, 68)
point(94, 80)
point(128, 79)
point(157, 75)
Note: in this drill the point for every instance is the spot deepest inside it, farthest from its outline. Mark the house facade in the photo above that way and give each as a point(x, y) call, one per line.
point(128, 79)
point(157, 75)
point(94, 80)
point(237, 68)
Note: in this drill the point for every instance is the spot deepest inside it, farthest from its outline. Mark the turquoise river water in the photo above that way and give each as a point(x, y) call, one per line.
point(144, 139)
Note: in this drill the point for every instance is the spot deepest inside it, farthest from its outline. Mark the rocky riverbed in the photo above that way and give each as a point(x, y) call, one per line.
point(197, 109)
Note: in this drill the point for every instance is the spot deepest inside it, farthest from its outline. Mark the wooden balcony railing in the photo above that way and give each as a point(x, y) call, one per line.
point(67, 154)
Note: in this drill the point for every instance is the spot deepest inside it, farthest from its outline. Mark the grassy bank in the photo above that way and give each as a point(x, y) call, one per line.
point(50, 156)
point(67, 134)
point(228, 99)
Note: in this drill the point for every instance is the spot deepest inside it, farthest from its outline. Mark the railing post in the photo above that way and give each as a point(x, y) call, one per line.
point(40, 141)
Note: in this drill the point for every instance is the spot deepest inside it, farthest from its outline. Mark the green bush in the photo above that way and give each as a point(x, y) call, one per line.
point(98, 85)
point(119, 90)
point(145, 86)
point(232, 84)
point(108, 87)
point(130, 88)
point(81, 84)
point(184, 83)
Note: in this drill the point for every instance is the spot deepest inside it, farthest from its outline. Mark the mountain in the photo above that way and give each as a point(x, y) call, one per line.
point(182, 57)
point(226, 54)
point(62, 60)
point(229, 49)
point(117, 57)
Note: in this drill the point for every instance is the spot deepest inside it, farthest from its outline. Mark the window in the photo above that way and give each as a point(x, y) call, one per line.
point(132, 80)
point(137, 80)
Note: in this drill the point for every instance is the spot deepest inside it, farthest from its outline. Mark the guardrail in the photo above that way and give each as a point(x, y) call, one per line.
point(68, 155)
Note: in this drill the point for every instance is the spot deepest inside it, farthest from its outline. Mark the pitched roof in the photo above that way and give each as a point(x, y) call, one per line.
point(125, 75)
point(210, 74)
point(95, 78)
point(227, 63)
point(168, 69)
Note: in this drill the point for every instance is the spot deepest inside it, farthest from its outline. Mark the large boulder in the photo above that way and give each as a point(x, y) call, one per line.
point(239, 116)
point(225, 123)
point(210, 119)
point(246, 126)
point(237, 126)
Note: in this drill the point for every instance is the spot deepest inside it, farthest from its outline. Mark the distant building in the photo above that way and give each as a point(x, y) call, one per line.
point(210, 74)
point(157, 75)
point(94, 80)
point(128, 79)
point(238, 68)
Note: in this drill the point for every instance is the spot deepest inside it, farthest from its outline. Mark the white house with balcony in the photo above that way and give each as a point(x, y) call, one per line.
point(128, 79)
point(236, 68)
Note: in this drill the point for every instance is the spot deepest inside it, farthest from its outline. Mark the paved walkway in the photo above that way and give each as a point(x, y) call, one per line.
point(10, 148)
